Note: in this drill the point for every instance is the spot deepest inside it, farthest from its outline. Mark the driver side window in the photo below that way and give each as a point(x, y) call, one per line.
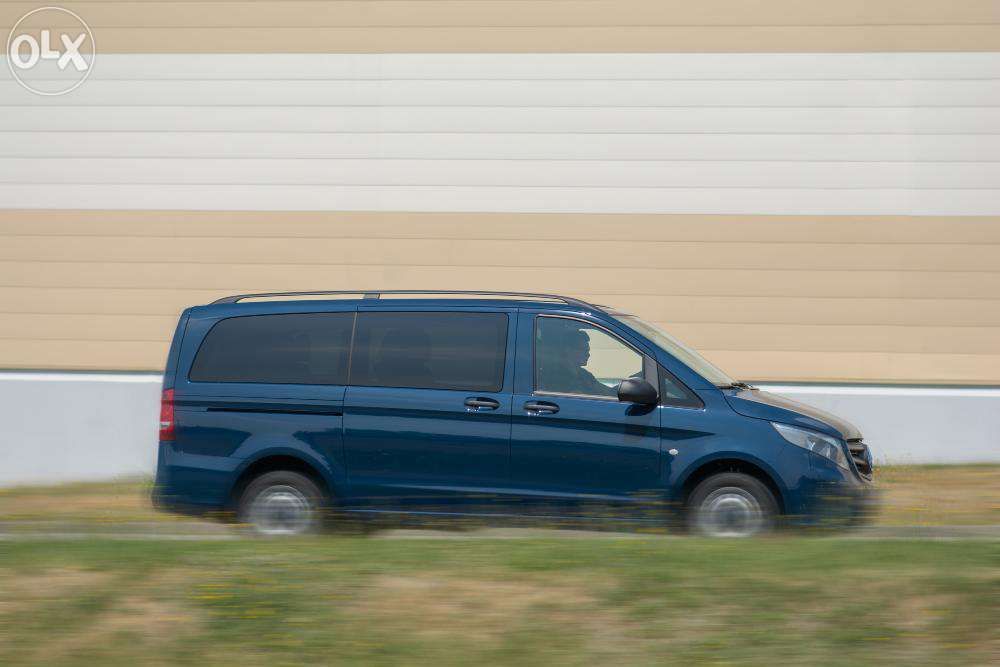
point(573, 357)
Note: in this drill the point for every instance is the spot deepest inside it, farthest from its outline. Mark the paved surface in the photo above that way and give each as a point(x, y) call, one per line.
point(207, 530)
point(126, 530)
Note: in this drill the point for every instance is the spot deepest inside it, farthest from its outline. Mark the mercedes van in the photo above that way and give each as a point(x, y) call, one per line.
point(286, 409)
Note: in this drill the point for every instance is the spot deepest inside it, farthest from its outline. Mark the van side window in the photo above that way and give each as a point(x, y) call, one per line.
point(295, 348)
point(573, 357)
point(421, 350)
point(675, 393)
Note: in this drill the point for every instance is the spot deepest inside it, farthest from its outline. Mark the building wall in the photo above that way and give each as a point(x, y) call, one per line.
point(805, 191)
point(803, 298)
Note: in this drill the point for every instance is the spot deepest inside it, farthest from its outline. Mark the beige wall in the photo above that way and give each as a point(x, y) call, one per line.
point(767, 297)
point(536, 26)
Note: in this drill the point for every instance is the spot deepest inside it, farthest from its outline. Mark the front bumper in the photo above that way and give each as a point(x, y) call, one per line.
point(846, 506)
point(835, 498)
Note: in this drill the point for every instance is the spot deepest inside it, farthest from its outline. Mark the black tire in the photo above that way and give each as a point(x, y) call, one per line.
point(282, 503)
point(731, 504)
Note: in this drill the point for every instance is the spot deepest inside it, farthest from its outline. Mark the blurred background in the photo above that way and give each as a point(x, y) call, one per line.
point(805, 191)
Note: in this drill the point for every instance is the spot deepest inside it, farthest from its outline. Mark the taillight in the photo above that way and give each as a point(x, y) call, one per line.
point(167, 415)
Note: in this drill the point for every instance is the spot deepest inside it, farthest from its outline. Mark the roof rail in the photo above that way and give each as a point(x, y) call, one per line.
point(377, 294)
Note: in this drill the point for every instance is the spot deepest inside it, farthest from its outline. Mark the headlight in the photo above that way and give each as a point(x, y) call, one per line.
point(816, 443)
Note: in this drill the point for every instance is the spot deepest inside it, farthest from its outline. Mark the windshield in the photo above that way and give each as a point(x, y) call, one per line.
point(679, 350)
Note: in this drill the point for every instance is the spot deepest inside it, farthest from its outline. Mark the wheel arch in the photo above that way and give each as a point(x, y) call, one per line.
point(279, 460)
point(732, 463)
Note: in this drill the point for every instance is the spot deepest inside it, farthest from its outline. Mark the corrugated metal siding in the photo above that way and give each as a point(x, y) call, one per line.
point(666, 133)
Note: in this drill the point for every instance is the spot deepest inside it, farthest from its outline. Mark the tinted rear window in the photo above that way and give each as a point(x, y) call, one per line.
point(300, 348)
point(463, 351)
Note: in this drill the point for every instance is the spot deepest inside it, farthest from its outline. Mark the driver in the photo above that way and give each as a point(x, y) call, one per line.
point(563, 352)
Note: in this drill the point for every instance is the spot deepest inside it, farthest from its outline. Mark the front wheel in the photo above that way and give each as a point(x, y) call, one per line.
point(281, 503)
point(731, 504)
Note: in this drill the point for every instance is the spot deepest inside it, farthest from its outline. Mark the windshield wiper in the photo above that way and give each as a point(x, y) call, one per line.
point(738, 385)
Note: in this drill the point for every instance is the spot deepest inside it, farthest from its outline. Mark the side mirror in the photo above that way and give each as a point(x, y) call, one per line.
point(637, 390)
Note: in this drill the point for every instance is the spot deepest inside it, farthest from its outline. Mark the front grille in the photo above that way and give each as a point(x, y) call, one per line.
point(862, 458)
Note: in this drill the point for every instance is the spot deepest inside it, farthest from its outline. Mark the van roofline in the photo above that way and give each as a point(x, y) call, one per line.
point(377, 294)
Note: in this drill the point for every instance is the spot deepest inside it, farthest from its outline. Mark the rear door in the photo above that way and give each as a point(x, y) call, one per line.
point(259, 381)
point(427, 412)
point(574, 446)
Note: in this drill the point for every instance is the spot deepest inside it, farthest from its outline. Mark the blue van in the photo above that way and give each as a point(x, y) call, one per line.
point(278, 407)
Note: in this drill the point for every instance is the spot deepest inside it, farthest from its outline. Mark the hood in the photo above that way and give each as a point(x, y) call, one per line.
point(763, 405)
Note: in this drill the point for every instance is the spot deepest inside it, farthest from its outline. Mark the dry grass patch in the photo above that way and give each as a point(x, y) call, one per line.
point(477, 609)
point(100, 502)
point(21, 593)
point(940, 495)
point(141, 624)
point(110, 505)
point(77, 615)
point(917, 613)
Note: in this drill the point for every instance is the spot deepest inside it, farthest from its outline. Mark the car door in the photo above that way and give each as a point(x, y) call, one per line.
point(427, 410)
point(574, 446)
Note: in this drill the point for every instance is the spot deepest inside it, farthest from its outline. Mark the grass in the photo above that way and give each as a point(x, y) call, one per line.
point(940, 495)
point(636, 601)
point(84, 502)
point(913, 495)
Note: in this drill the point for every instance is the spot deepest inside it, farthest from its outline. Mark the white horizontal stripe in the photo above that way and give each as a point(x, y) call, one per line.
point(117, 378)
point(522, 93)
point(744, 120)
point(776, 201)
point(852, 148)
point(535, 173)
point(900, 424)
point(548, 66)
point(884, 390)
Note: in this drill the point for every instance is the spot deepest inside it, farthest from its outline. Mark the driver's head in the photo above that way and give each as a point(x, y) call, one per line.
point(571, 345)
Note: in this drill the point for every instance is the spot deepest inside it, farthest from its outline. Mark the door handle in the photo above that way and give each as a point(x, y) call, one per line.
point(538, 407)
point(479, 403)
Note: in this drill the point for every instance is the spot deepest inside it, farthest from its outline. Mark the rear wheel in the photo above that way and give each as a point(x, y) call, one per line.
point(281, 503)
point(731, 504)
